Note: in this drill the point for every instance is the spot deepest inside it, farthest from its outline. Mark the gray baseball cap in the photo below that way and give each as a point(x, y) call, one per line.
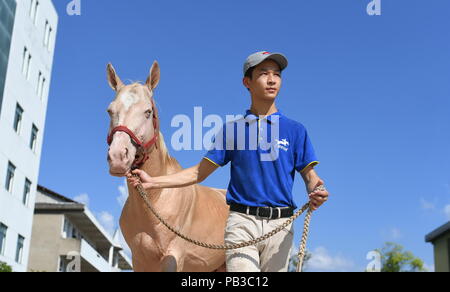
point(259, 57)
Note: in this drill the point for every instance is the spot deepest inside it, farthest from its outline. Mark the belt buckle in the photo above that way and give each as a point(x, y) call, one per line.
point(260, 217)
point(279, 212)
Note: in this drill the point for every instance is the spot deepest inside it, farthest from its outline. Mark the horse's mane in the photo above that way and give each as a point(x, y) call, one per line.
point(168, 160)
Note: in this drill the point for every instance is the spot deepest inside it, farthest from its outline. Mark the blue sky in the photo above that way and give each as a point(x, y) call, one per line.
point(373, 92)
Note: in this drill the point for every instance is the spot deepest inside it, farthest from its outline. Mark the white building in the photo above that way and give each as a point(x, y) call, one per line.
point(27, 40)
point(68, 238)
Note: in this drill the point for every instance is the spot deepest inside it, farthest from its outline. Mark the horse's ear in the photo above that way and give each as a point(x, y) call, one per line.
point(153, 78)
point(113, 80)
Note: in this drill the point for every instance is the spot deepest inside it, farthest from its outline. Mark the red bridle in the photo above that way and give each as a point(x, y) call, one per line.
point(140, 145)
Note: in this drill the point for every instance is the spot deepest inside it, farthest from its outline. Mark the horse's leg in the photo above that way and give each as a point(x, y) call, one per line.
point(147, 265)
point(169, 264)
point(146, 255)
point(221, 269)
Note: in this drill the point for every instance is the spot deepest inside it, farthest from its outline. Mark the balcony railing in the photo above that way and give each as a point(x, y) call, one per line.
point(94, 258)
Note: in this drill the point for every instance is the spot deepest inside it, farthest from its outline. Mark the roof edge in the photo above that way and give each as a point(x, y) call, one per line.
point(432, 236)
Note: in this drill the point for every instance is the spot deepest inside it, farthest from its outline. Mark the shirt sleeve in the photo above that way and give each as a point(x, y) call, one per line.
point(304, 152)
point(218, 153)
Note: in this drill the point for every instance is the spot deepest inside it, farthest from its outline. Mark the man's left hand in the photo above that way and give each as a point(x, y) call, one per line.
point(319, 196)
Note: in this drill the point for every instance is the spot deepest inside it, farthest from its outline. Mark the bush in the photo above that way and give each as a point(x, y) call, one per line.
point(395, 259)
point(4, 268)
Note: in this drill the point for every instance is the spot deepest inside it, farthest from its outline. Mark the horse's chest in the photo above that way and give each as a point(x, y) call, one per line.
point(143, 244)
point(141, 233)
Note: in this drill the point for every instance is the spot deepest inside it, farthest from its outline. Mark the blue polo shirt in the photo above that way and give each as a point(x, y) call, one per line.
point(264, 154)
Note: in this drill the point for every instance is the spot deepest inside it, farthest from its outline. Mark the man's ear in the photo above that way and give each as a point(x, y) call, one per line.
point(153, 78)
point(245, 82)
point(113, 80)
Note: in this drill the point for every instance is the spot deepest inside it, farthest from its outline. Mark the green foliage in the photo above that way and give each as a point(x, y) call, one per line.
point(394, 259)
point(4, 268)
point(293, 262)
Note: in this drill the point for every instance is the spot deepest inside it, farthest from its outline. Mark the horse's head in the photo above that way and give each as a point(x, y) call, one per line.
point(134, 126)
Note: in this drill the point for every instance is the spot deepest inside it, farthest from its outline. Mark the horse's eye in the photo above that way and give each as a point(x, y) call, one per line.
point(148, 114)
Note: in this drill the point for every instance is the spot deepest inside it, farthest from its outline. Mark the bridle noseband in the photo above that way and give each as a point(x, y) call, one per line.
point(141, 147)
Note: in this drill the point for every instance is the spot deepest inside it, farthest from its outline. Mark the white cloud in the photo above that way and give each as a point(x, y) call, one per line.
point(427, 206)
point(123, 190)
point(321, 260)
point(83, 199)
point(395, 233)
point(447, 211)
point(391, 234)
point(107, 221)
point(431, 207)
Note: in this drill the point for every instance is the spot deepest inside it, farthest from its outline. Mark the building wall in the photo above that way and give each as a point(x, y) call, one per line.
point(442, 253)
point(48, 244)
point(7, 15)
point(15, 147)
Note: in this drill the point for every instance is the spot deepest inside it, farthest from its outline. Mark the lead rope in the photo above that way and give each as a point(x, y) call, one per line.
point(302, 249)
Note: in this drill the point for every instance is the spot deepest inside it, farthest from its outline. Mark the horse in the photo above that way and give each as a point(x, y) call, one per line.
point(198, 211)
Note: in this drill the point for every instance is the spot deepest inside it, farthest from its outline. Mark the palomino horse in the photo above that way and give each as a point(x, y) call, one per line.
point(198, 211)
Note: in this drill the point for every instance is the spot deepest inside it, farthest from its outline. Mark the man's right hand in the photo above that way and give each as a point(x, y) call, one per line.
point(145, 179)
point(183, 178)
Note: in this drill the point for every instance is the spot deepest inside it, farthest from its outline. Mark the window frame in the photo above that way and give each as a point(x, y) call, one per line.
point(26, 195)
point(34, 11)
point(34, 134)
point(26, 63)
point(18, 118)
point(3, 238)
point(20, 249)
point(9, 184)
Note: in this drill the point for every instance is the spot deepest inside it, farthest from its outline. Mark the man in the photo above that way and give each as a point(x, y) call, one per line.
point(260, 188)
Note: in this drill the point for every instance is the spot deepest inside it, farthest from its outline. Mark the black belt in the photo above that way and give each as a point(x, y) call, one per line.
point(264, 212)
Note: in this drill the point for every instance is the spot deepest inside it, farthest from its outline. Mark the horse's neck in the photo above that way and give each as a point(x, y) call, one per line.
point(160, 164)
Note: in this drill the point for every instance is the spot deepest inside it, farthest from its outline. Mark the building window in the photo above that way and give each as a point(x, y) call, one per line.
point(10, 177)
point(40, 85)
point(19, 250)
point(26, 63)
point(33, 139)
point(47, 35)
point(18, 118)
point(116, 260)
point(69, 231)
point(62, 264)
point(70, 263)
point(24, 60)
point(26, 192)
point(41, 94)
point(34, 9)
point(3, 229)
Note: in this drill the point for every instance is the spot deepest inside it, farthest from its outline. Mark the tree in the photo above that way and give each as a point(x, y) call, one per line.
point(293, 262)
point(394, 259)
point(4, 268)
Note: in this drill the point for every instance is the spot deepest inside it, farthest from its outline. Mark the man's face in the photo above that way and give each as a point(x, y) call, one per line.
point(266, 80)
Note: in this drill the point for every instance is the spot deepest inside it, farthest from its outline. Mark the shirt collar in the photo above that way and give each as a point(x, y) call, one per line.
point(250, 117)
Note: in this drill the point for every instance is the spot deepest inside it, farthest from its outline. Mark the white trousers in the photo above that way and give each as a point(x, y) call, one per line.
point(271, 255)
